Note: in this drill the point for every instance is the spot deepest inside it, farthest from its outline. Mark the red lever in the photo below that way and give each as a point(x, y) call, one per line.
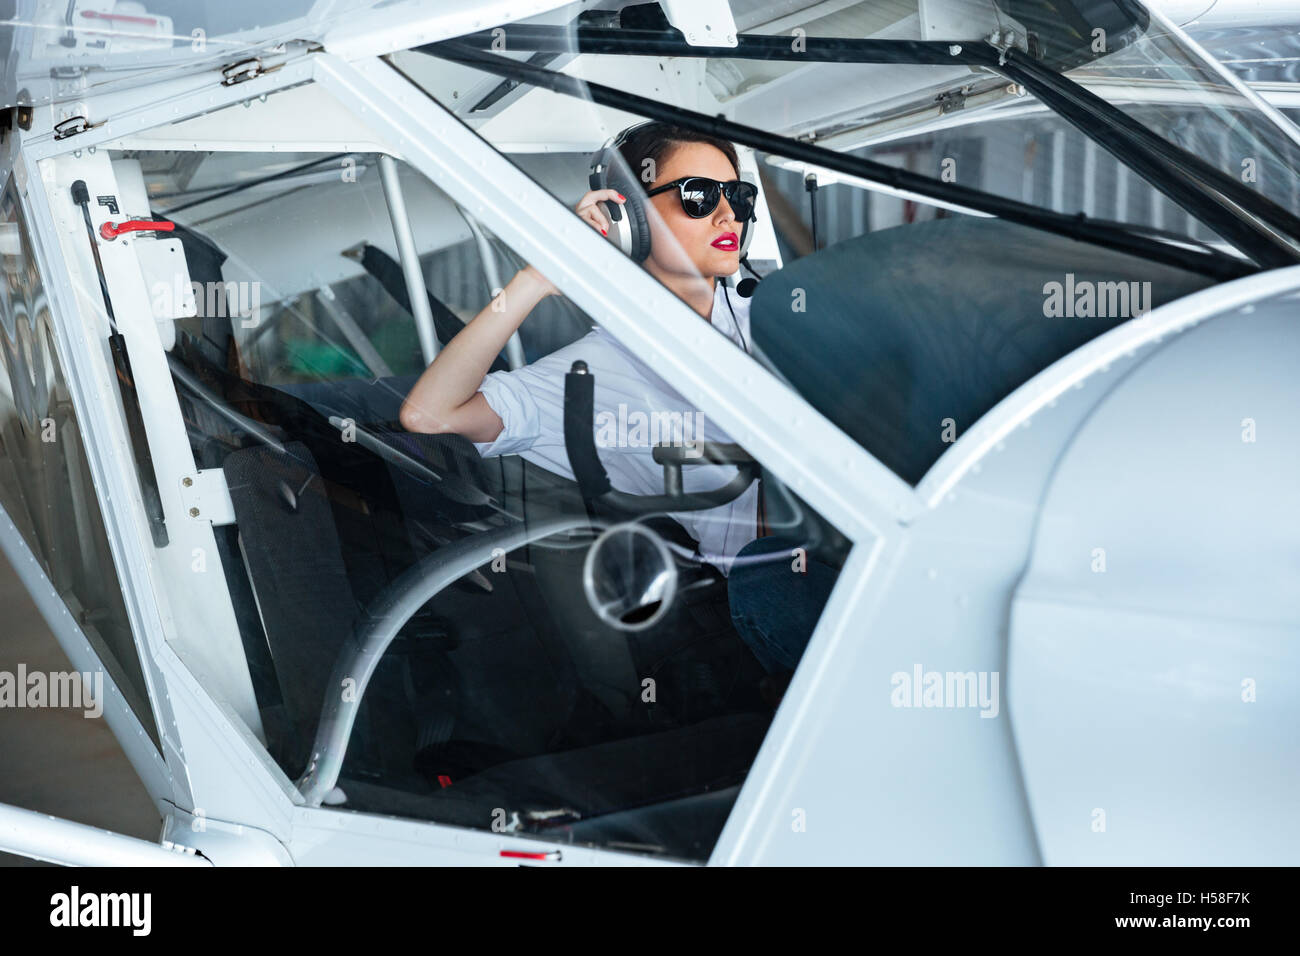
point(551, 855)
point(111, 230)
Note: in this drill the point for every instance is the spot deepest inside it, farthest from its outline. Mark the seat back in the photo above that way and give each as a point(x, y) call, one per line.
point(908, 327)
point(291, 549)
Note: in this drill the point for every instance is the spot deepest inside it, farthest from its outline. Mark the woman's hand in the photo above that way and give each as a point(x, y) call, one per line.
point(589, 209)
point(590, 213)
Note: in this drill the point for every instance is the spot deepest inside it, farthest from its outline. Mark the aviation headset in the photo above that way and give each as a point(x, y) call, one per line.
point(631, 232)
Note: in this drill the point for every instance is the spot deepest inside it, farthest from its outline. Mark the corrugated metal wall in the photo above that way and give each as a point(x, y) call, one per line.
point(1040, 160)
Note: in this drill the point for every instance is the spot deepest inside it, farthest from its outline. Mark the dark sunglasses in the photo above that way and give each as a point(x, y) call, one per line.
point(701, 195)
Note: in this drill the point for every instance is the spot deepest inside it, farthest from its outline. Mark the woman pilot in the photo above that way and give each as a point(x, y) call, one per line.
point(700, 208)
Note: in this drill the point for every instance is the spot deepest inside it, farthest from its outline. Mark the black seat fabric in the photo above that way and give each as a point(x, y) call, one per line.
point(592, 781)
point(295, 564)
point(909, 326)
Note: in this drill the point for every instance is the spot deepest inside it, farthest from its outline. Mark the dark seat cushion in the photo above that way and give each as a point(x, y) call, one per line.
point(591, 781)
point(909, 326)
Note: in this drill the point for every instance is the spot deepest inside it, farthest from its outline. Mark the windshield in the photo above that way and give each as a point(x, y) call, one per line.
point(1015, 154)
point(1166, 84)
point(1154, 76)
point(444, 626)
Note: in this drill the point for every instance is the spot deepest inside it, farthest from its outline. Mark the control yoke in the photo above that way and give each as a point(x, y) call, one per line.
point(580, 444)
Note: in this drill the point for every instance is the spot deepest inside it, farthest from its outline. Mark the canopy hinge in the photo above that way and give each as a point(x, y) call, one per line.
point(245, 70)
point(73, 126)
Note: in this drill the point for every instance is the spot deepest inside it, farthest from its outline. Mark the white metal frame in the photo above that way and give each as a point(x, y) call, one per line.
point(89, 374)
point(102, 438)
point(43, 837)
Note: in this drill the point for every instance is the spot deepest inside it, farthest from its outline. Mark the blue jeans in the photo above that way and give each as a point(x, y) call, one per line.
point(775, 607)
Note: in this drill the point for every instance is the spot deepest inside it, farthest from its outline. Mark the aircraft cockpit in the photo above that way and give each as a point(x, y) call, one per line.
point(228, 277)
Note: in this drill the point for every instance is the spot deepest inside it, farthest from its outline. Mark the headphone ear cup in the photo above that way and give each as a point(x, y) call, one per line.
point(637, 226)
point(631, 225)
point(619, 224)
point(746, 233)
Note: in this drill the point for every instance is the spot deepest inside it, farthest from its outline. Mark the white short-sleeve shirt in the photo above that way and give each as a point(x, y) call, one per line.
point(634, 410)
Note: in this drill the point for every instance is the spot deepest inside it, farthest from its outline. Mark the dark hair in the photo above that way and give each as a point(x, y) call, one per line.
point(656, 141)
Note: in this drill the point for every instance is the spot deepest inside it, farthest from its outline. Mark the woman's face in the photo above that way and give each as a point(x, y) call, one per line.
point(679, 244)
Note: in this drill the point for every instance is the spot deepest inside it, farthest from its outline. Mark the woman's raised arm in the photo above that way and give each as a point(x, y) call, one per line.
point(446, 397)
